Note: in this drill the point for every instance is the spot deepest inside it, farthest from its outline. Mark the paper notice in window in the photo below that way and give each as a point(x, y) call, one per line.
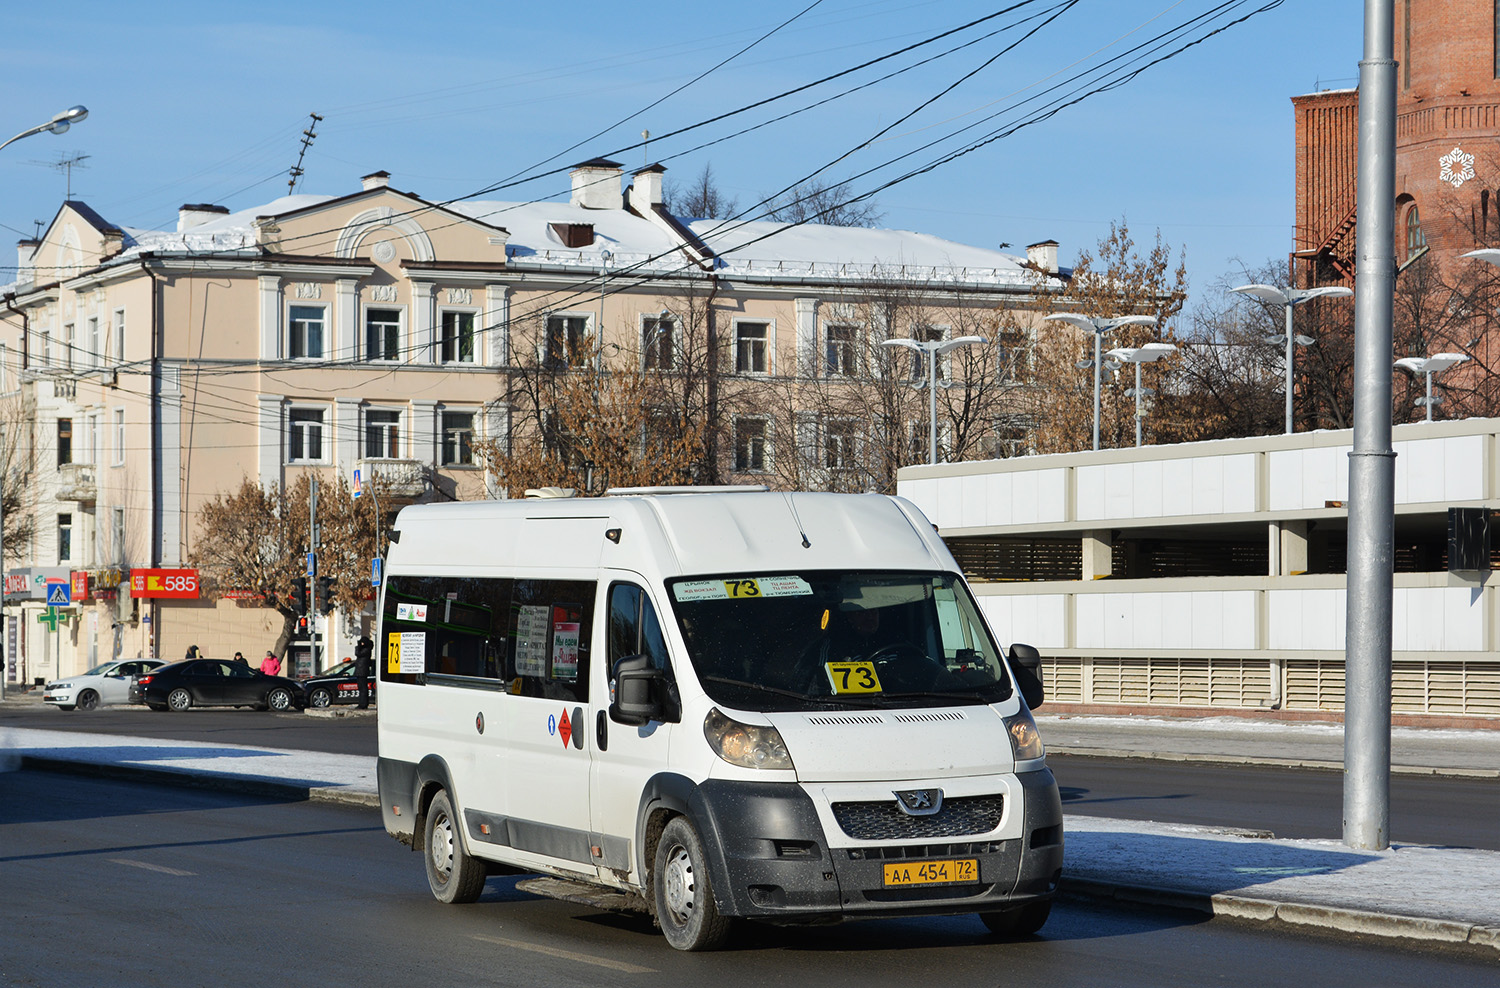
point(533, 621)
point(411, 612)
point(565, 651)
point(413, 651)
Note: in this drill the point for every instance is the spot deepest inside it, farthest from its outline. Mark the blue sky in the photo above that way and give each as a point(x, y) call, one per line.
point(193, 102)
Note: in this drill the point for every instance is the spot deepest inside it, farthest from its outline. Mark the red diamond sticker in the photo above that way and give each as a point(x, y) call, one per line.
point(564, 728)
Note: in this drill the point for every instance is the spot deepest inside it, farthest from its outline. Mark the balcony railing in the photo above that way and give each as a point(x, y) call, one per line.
point(401, 478)
point(75, 482)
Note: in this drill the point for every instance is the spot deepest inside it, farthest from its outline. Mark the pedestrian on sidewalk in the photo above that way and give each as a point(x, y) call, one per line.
point(363, 649)
point(270, 665)
point(240, 658)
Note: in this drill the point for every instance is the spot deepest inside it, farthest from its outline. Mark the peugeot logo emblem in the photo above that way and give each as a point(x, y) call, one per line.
point(919, 802)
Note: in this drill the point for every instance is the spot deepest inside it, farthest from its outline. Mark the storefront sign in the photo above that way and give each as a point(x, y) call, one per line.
point(30, 582)
point(166, 583)
point(80, 581)
point(240, 595)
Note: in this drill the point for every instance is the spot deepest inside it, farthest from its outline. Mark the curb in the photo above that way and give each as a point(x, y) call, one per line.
point(275, 788)
point(1334, 918)
point(1232, 760)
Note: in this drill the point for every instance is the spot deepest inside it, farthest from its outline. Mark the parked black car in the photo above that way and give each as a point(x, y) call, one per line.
point(216, 683)
point(337, 685)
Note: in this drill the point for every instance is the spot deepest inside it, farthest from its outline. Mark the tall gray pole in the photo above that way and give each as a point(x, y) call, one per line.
point(1098, 335)
point(1429, 396)
point(1290, 343)
point(1372, 463)
point(1138, 408)
point(931, 404)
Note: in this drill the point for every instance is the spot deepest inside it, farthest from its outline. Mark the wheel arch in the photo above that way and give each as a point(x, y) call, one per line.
point(433, 775)
point(668, 795)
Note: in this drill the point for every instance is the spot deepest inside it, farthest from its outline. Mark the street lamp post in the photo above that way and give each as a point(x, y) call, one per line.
point(1429, 366)
point(1099, 327)
point(59, 124)
point(931, 350)
point(1290, 298)
point(1140, 355)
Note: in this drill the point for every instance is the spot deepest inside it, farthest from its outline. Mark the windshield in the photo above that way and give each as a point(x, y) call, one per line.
point(818, 640)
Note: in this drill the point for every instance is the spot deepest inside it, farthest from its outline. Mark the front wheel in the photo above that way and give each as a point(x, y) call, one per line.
point(453, 876)
point(1020, 921)
point(684, 898)
point(179, 699)
point(279, 699)
point(88, 700)
point(320, 698)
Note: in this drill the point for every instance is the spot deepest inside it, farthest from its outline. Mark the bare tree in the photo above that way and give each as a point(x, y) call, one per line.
point(699, 198)
point(17, 481)
point(814, 201)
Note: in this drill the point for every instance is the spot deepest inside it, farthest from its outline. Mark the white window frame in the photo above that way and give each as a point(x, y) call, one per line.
point(325, 435)
point(4, 368)
point(401, 434)
point(925, 333)
point(767, 344)
point(477, 339)
point(46, 354)
point(291, 331)
point(119, 354)
point(91, 355)
point(70, 344)
point(849, 454)
point(442, 415)
point(117, 533)
point(766, 447)
point(545, 343)
point(64, 526)
point(117, 425)
point(648, 333)
point(849, 368)
point(96, 440)
point(400, 311)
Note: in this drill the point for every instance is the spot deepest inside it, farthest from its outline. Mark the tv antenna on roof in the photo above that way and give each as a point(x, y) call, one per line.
point(308, 136)
point(65, 163)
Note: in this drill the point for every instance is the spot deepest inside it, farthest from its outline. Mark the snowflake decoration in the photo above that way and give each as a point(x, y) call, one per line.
point(1458, 167)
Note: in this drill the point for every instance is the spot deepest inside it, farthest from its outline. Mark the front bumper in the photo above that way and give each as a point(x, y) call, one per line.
point(61, 698)
point(770, 859)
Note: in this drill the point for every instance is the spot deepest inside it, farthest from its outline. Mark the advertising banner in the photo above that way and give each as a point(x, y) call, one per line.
point(164, 583)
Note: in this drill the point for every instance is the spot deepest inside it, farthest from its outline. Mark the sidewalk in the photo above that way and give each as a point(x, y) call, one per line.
point(1448, 896)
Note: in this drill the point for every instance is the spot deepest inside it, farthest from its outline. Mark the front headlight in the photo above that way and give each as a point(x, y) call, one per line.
point(1025, 740)
point(745, 745)
point(59, 686)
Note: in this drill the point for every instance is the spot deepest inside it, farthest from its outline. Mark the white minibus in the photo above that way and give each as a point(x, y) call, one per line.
point(714, 703)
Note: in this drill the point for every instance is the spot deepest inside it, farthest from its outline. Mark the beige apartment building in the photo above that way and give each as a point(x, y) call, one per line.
point(144, 372)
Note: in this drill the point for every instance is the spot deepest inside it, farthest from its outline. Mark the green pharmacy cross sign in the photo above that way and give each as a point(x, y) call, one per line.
point(52, 617)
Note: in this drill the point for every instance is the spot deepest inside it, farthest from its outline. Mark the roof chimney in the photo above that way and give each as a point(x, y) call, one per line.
point(1043, 256)
point(375, 180)
point(596, 184)
point(645, 188)
point(193, 214)
point(25, 254)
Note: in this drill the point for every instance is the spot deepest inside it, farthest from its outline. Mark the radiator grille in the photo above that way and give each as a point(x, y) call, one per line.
point(883, 819)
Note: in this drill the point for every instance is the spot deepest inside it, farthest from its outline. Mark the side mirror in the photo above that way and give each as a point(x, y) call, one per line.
point(636, 695)
point(1026, 666)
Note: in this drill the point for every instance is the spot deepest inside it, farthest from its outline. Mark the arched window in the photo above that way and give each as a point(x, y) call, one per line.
point(1414, 239)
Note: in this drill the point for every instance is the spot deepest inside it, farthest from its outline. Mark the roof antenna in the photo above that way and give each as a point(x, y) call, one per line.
point(65, 163)
point(308, 136)
point(800, 530)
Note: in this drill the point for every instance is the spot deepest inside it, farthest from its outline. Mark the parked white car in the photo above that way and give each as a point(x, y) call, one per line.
point(108, 683)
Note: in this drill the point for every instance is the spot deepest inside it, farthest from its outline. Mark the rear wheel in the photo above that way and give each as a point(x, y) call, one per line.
point(453, 875)
point(88, 700)
point(1021, 921)
point(179, 699)
point(280, 698)
point(684, 899)
point(320, 698)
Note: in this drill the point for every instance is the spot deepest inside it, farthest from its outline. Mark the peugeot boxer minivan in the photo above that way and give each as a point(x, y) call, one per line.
point(712, 703)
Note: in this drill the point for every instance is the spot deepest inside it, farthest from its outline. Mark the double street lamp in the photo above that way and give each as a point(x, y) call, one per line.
point(1290, 298)
point(1429, 366)
point(59, 123)
point(931, 350)
point(1140, 355)
point(1099, 327)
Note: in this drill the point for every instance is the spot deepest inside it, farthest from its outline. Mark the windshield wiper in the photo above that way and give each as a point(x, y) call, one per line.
point(794, 694)
point(977, 695)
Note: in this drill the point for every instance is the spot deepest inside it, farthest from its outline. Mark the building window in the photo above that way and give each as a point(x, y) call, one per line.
point(46, 352)
point(565, 341)
point(1406, 45)
point(305, 438)
point(382, 433)
point(64, 538)
point(382, 334)
point(96, 440)
point(119, 534)
point(64, 441)
point(458, 439)
point(4, 368)
point(1415, 241)
point(69, 345)
point(306, 341)
point(750, 347)
point(838, 445)
point(839, 352)
point(119, 336)
point(119, 431)
point(91, 358)
point(458, 338)
point(657, 343)
point(750, 444)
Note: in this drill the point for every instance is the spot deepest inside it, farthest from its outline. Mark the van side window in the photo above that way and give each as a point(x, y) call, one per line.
point(634, 630)
point(550, 629)
point(444, 626)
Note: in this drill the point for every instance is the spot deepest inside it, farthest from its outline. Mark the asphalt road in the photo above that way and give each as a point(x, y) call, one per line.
point(125, 884)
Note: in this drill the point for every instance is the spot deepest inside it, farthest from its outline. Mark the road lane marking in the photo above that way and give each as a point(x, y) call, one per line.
point(567, 955)
point(152, 867)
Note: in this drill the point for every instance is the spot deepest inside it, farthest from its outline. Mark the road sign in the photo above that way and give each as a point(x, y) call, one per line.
point(358, 487)
point(312, 565)
point(59, 594)
point(52, 617)
point(375, 572)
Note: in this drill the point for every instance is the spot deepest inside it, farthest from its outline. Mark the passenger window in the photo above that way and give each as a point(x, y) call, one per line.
point(551, 628)
point(444, 626)
point(635, 630)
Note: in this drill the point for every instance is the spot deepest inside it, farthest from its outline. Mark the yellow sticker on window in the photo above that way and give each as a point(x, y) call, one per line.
point(852, 677)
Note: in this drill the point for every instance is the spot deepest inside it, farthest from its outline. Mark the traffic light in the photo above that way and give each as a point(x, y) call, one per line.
point(302, 626)
point(324, 594)
point(299, 595)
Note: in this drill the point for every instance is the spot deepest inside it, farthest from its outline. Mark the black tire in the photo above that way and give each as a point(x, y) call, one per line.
point(453, 876)
point(88, 700)
point(1020, 921)
point(65, 707)
point(179, 699)
point(320, 698)
point(280, 699)
point(684, 898)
